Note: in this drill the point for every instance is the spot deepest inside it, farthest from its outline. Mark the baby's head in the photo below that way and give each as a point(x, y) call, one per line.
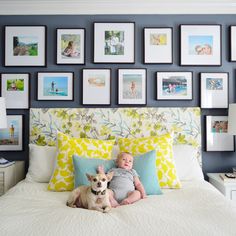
point(125, 160)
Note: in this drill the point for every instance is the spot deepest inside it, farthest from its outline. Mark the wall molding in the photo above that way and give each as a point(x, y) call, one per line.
point(96, 7)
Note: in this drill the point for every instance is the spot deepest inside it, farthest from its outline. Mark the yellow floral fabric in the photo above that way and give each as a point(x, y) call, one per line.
point(63, 176)
point(166, 170)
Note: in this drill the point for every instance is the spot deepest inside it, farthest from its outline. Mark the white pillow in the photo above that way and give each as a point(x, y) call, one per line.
point(41, 163)
point(187, 165)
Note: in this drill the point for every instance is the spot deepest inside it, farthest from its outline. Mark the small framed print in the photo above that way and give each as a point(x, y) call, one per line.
point(158, 45)
point(70, 46)
point(217, 137)
point(214, 90)
point(232, 43)
point(174, 85)
point(25, 45)
point(114, 42)
point(11, 138)
point(15, 88)
point(55, 86)
point(132, 87)
point(96, 86)
point(200, 45)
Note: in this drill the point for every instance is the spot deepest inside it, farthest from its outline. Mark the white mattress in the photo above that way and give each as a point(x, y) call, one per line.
point(196, 209)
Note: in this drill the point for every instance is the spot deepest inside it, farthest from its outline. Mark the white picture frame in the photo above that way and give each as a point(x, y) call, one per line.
point(232, 43)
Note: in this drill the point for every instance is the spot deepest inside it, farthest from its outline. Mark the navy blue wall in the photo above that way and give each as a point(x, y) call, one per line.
point(212, 161)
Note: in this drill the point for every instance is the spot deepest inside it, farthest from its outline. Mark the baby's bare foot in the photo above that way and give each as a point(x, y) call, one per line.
point(125, 202)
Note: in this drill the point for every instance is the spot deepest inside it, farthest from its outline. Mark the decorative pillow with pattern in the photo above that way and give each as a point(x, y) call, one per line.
point(63, 176)
point(166, 170)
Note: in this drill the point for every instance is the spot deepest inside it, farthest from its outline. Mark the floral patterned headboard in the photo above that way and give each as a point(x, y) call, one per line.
point(107, 123)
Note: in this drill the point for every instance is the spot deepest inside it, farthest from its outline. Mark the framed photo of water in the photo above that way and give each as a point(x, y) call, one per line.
point(55, 86)
point(25, 46)
point(174, 85)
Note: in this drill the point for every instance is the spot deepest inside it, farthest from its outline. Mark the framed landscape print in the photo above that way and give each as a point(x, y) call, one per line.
point(232, 43)
point(15, 88)
point(214, 90)
point(114, 42)
point(158, 45)
point(217, 137)
point(55, 85)
point(174, 86)
point(200, 45)
point(132, 87)
point(25, 45)
point(11, 138)
point(70, 46)
point(96, 86)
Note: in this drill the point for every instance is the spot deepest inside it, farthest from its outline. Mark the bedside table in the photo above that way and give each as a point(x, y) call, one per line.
point(226, 188)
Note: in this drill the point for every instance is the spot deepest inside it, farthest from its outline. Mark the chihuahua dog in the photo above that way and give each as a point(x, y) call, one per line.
point(94, 197)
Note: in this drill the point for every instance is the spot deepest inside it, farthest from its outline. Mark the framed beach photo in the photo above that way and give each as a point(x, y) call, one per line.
point(232, 43)
point(217, 137)
point(174, 85)
point(25, 45)
point(96, 86)
point(114, 42)
point(200, 45)
point(132, 86)
point(214, 90)
point(70, 46)
point(15, 88)
point(11, 138)
point(55, 86)
point(158, 45)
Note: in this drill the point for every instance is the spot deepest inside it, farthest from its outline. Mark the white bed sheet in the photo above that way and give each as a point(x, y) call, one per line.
point(196, 209)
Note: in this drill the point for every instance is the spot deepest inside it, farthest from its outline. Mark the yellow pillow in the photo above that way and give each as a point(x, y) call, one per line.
point(63, 176)
point(166, 170)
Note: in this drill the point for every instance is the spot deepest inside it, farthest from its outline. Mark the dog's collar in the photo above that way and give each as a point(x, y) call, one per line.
point(98, 192)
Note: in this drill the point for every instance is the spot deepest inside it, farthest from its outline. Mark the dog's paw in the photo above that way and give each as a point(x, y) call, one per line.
point(71, 205)
point(106, 209)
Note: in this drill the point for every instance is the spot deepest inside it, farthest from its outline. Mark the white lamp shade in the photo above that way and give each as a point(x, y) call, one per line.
point(3, 114)
point(232, 119)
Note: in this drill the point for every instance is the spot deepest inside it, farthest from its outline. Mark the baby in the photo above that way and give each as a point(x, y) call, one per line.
point(125, 184)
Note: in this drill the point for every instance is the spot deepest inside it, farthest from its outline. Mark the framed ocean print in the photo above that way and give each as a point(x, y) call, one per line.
point(132, 86)
point(71, 46)
point(200, 45)
point(217, 137)
point(96, 86)
point(214, 89)
point(114, 42)
point(232, 43)
point(158, 45)
point(55, 86)
point(11, 138)
point(15, 88)
point(174, 85)
point(25, 46)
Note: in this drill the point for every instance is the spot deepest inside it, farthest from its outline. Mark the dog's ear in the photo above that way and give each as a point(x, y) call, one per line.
point(109, 176)
point(90, 177)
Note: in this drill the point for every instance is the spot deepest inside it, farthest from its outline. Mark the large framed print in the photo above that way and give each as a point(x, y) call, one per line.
point(96, 86)
point(158, 45)
point(174, 85)
point(200, 45)
point(217, 137)
point(232, 43)
point(214, 90)
point(25, 45)
point(55, 86)
point(114, 42)
point(11, 138)
point(15, 88)
point(132, 87)
point(70, 46)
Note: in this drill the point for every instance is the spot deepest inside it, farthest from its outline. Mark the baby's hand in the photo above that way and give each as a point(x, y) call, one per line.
point(100, 170)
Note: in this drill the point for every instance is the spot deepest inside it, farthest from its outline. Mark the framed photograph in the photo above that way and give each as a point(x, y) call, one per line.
point(114, 42)
point(158, 45)
point(132, 86)
point(232, 43)
point(96, 86)
point(11, 138)
point(217, 137)
point(200, 45)
point(214, 90)
point(174, 86)
point(70, 46)
point(55, 86)
point(15, 88)
point(25, 45)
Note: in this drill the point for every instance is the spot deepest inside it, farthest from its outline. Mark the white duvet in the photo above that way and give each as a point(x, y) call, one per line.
point(196, 209)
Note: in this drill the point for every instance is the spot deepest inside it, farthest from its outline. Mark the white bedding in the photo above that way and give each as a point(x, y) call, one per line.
point(196, 209)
